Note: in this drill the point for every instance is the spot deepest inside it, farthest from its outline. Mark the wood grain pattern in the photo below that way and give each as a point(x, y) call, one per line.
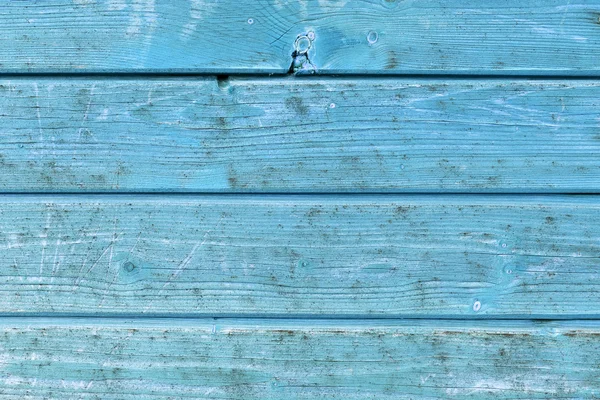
point(299, 135)
point(277, 359)
point(166, 234)
point(358, 36)
point(384, 256)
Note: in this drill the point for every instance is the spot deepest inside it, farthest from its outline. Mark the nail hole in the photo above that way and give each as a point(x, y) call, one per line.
point(477, 306)
point(372, 37)
point(302, 44)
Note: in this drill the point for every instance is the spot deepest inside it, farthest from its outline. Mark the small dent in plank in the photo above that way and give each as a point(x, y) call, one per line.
point(223, 81)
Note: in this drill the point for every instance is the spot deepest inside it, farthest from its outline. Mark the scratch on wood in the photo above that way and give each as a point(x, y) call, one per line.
point(185, 261)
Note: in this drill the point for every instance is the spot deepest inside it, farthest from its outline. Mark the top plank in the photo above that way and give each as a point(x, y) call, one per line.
point(511, 37)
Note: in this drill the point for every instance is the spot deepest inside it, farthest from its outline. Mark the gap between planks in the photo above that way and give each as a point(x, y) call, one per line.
point(408, 320)
point(254, 194)
point(299, 323)
point(287, 76)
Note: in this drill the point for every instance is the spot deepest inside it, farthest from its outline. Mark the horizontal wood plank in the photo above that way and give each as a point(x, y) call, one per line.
point(299, 135)
point(297, 360)
point(415, 256)
point(358, 36)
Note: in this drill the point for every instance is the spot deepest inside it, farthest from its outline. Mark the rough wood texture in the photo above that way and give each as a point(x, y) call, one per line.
point(468, 256)
point(358, 36)
point(295, 135)
point(106, 285)
point(297, 360)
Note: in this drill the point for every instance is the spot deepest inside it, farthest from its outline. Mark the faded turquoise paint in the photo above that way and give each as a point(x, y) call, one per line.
point(534, 37)
point(299, 135)
point(344, 284)
point(303, 359)
point(376, 256)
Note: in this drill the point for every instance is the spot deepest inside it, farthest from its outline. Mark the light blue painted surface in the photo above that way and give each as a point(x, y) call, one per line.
point(320, 279)
point(299, 135)
point(303, 359)
point(534, 37)
point(377, 256)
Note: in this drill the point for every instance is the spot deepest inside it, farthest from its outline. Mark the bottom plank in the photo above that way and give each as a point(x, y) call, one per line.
point(295, 359)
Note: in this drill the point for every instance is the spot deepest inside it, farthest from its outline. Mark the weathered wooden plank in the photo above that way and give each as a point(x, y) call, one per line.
point(469, 256)
point(297, 135)
point(359, 36)
point(232, 359)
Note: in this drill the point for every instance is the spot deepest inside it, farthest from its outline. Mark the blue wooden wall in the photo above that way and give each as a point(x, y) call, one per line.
point(311, 199)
